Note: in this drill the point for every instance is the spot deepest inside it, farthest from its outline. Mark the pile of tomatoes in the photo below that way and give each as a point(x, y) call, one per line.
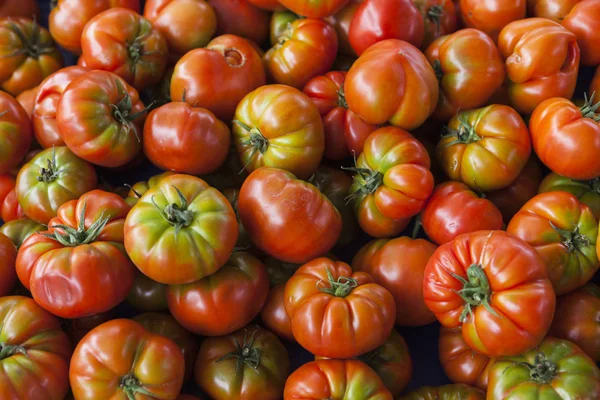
point(257, 199)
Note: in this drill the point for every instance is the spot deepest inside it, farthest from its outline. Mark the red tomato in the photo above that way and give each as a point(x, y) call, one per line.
point(8, 258)
point(19, 8)
point(147, 295)
point(11, 209)
point(454, 209)
point(7, 184)
point(583, 21)
point(314, 9)
point(588, 192)
point(555, 10)
point(15, 132)
point(240, 17)
point(341, 23)
point(274, 316)
point(491, 16)
point(27, 99)
point(268, 5)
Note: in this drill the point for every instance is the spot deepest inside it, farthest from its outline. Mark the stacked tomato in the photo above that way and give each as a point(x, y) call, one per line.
point(306, 184)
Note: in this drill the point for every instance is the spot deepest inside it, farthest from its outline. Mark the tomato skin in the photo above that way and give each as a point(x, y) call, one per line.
point(278, 126)
point(588, 192)
point(7, 184)
point(8, 258)
point(287, 218)
point(491, 16)
point(454, 209)
point(393, 82)
point(268, 5)
point(335, 379)
point(582, 20)
point(15, 132)
point(26, 99)
point(486, 148)
point(11, 209)
point(121, 350)
point(147, 295)
point(341, 23)
point(575, 376)
point(139, 188)
point(274, 316)
point(278, 23)
point(471, 70)
point(446, 392)
point(399, 265)
point(522, 292)
point(42, 372)
point(556, 10)
point(242, 18)
point(20, 229)
point(314, 9)
point(19, 8)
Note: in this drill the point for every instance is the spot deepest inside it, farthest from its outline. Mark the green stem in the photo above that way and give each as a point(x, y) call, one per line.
point(175, 214)
point(8, 350)
point(437, 68)
point(338, 288)
point(122, 110)
point(588, 110)
point(131, 386)
point(245, 353)
point(476, 291)
point(71, 237)
point(465, 134)
point(542, 371)
point(435, 14)
point(342, 97)
point(51, 171)
point(573, 240)
point(32, 46)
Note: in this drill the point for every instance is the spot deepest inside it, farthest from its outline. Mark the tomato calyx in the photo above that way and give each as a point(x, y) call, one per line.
point(51, 171)
point(437, 68)
point(342, 98)
point(131, 386)
point(135, 49)
point(465, 134)
point(340, 287)
point(434, 14)
point(177, 215)
point(572, 240)
point(33, 46)
point(285, 35)
point(122, 110)
point(8, 350)
point(476, 291)
point(372, 181)
point(245, 353)
point(588, 110)
point(71, 237)
point(542, 371)
point(256, 140)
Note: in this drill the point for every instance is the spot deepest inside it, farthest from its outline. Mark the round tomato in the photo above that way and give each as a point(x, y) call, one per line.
point(77, 328)
point(583, 21)
point(147, 295)
point(341, 23)
point(485, 148)
point(27, 99)
point(278, 126)
point(490, 16)
point(314, 9)
point(278, 24)
point(587, 191)
point(219, 76)
point(120, 359)
point(470, 70)
point(20, 229)
point(446, 392)
point(15, 131)
point(192, 234)
point(555, 10)
point(11, 209)
point(556, 369)
point(274, 316)
point(493, 285)
point(34, 352)
point(137, 190)
point(8, 258)
point(542, 61)
point(287, 218)
point(19, 8)
point(240, 17)
point(454, 209)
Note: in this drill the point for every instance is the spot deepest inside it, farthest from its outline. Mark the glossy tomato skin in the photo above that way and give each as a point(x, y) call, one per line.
point(572, 375)
point(454, 209)
point(446, 392)
point(522, 293)
point(274, 316)
point(537, 48)
point(197, 240)
point(20, 229)
point(52, 178)
point(491, 16)
point(38, 367)
point(470, 69)
point(256, 367)
point(565, 137)
point(268, 5)
point(485, 148)
point(11, 209)
point(19, 8)
point(218, 76)
point(582, 20)
point(121, 356)
point(555, 10)
point(314, 9)
point(278, 126)
point(335, 379)
point(398, 265)
point(341, 23)
point(15, 133)
point(392, 82)
point(8, 258)
point(26, 99)
point(241, 18)
point(278, 24)
point(287, 218)
point(45, 126)
point(147, 295)
point(139, 188)
point(588, 192)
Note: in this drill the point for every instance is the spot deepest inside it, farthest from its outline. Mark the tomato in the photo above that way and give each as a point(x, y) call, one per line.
point(542, 61)
point(314, 9)
point(491, 16)
point(121, 41)
point(554, 369)
point(341, 23)
point(15, 131)
point(392, 82)
point(493, 285)
point(136, 191)
point(20, 229)
point(268, 5)
point(345, 132)
point(26, 99)
point(555, 10)
point(120, 359)
point(583, 21)
point(28, 55)
point(19, 8)
point(34, 352)
point(278, 24)
point(218, 76)
point(185, 24)
point(446, 392)
point(274, 316)
point(8, 257)
point(287, 218)
point(11, 209)
point(240, 17)
point(77, 328)
point(147, 295)
point(336, 380)
point(461, 364)
point(165, 325)
point(587, 191)
point(486, 148)
point(470, 70)
point(100, 118)
point(235, 293)
point(454, 209)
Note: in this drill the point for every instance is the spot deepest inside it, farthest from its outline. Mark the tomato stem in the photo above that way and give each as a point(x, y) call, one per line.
point(542, 371)
point(122, 110)
point(51, 172)
point(177, 215)
point(338, 288)
point(476, 291)
point(72, 237)
point(437, 68)
point(573, 240)
point(434, 14)
point(342, 97)
point(131, 385)
point(465, 134)
point(588, 110)
point(32, 45)
point(245, 353)
point(8, 350)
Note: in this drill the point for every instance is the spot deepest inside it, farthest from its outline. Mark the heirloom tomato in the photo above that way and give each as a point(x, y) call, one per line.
point(454, 209)
point(491, 16)
point(278, 23)
point(576, 319)
point(20, 229)
point(242, 18)
point(305, 48)
point(34, 352)
point(268, 5)
point(26, 99)
point(341, 23)
point(15, 132)
point(439, 17)
point(446, 392)
point(485, 148)
point(336, 380)
point(137, 190)
point(8, 258)
point(121, 41)
point(541, 59)
point(583, 21)
point(556, 369)
point(45, 126)
point(147, 295)
point(393, 82)
point(7, 184)
point(192, 234)
point(219, 76)
point(470, 70)
point(251, 363)
point(398, 265)
point(314, 9)
point(51, 179)
point(79, 267)
point(345, 132)
point(11, 209)
point(28, 55)
point(493, 285)
point(287, 218)
point(567, 137)
point(274, 316)
point(555, 10)
point(279, 126)
point(120, 359)
point(337, 313)
point(19, 8)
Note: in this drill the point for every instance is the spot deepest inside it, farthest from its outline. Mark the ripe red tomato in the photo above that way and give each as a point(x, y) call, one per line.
point(121, 359)
point(20, 229)
point(274, 316)
point(7, 184)
point(555, 10)
point(11, 209)
point(583, 21)
point(454, 209)
point(305, 48)
point(26, 99)
point(493, 285)
point(19, 8)
point(446, 392)
point(287, 218)
point(491, 16)
point(242, 18)
point(542, 61)
point(314, 9)
point(587, 191)
point(392, 82)
point(8, 258)
point(341, 23)
point(147, 295)
point(15, 132)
